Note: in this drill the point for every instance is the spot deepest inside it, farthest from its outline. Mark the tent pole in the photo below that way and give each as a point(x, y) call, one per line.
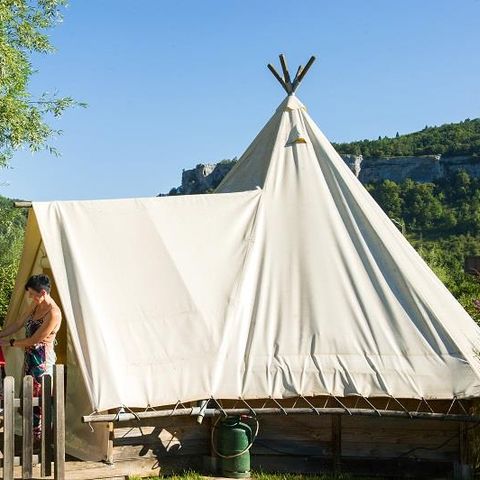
point(286, 81)
point(303, 72)
point(278, 77)
point(211, 412)
point(306, 69)
point(286, 75)
point(299, 71)
point(22, 204)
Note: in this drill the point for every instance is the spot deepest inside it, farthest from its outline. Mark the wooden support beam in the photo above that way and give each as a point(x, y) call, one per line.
point(27, 420)
point(462, 470)
point(299, 71)
point(278, 77)
point(22, 204)
point(336, 443)
point(8, 427)
point(286, 81)
point(286, 75)
point(463, 443)
point(304, 71)
point(59, 422)
point(47, 434)
point(110, 448)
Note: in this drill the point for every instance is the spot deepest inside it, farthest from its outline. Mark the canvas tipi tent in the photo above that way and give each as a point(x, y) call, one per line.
point(290, 281)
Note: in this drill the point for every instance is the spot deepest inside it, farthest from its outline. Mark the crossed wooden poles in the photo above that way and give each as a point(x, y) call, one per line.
point(288, 85)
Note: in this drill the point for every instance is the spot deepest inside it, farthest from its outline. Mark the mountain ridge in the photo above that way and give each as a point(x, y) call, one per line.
point(424, 156)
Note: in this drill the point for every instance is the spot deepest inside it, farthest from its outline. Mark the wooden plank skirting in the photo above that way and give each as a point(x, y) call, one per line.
point(305, 444)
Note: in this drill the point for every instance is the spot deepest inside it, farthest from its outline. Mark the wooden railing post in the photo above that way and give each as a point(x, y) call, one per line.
point(46, 447)
point(28, 402)
point(8, 427)
point(59, 422)
point(337, 443)
point(27, 434)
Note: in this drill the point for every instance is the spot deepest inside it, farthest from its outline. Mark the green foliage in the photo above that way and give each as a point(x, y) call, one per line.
point(12, 225)
point(23, 31)
point(448, 140)
point(446, 257)
point(388, 194)
point(422, 207)
point(450, 206)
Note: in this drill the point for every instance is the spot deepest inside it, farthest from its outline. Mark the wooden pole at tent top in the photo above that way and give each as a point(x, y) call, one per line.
point(286, 82)
point(22, 204)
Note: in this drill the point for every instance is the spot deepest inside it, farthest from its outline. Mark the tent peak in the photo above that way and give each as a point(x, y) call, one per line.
point(286, 82)
point(291, 102)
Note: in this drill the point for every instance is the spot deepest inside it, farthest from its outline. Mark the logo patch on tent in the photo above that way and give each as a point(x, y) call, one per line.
point(295, 137)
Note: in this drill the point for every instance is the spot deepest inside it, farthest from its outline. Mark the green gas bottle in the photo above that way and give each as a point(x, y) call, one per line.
point(234, 440)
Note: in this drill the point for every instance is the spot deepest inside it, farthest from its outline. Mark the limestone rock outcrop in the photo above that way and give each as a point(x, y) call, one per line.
point(428, 168)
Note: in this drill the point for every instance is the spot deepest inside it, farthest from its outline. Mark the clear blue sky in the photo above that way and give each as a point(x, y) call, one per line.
point(173, 84)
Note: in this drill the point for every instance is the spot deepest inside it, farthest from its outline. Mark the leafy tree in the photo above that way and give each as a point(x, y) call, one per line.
point(446, 256)
point(23, 118)
point(388, 195)
point(448, 220)
point(423, 208)
point(456, 187)
point(12, 224)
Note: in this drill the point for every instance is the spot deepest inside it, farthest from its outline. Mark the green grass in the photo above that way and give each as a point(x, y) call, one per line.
point(293, 476)
point(260, 476)
point(183, 476)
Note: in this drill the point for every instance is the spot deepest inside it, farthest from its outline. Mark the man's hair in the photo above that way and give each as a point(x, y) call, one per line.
point(38, 283)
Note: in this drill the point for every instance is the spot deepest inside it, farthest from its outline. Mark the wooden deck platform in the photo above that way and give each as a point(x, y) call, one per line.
point(147, 467)
point(380, 447)
point(121, 470)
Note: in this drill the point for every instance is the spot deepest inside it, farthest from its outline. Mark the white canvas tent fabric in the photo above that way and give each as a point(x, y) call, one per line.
point(143, 284)
point(334, 299)
point(301, 287)
point(147, 283)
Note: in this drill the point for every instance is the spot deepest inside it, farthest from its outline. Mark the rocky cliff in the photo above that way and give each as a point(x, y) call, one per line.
point(205, 177)
point(428, 168)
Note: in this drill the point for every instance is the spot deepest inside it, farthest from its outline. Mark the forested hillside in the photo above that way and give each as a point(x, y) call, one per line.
point(449, 140)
